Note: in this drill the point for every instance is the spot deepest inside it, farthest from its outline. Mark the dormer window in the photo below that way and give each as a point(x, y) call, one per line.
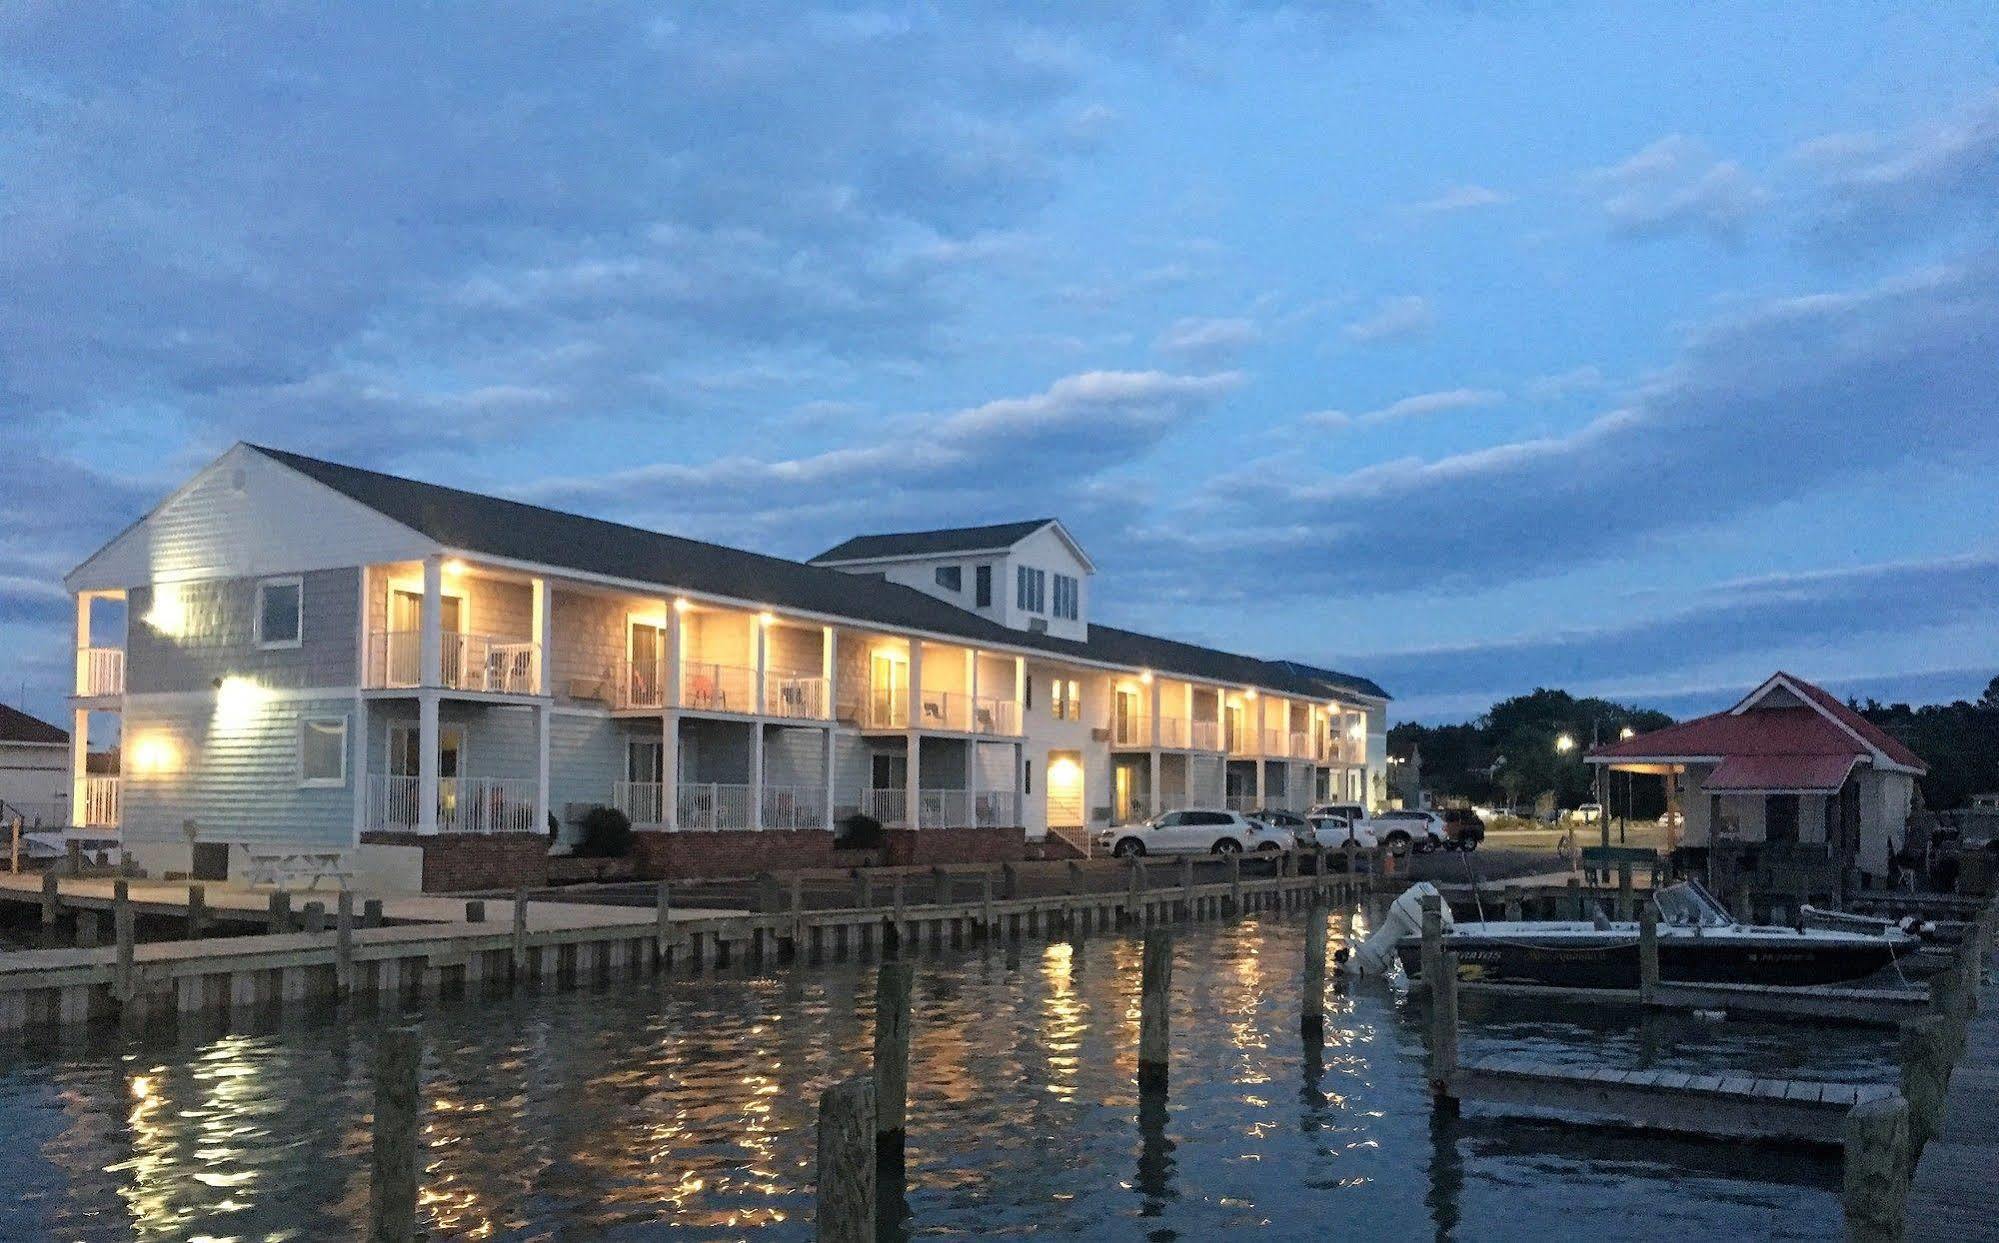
point(1067, 594)
point(951, 577)
point(982, 586)
point(1031, 590)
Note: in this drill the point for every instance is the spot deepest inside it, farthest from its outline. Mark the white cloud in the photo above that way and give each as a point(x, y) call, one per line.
point(1206, 342)
point(1674, 186)
point(1588, 378)
point(1458, 199)
point(1422, 405)
point(1393, 319)
point(1943, 172)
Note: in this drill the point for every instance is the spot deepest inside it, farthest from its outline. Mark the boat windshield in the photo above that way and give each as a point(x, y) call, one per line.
point(1687, 905)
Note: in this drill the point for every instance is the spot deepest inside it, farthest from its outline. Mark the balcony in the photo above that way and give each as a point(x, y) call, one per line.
point(800, 695)
point(1206, 736)
point(707, 687)
point(713, 805)
point(643, 802)
point(952, 711)
point(993, 715)
point(100, 671)
point(794, 807)
point(1299, 746)
point(464, 804)
point(1131, 731)
point(100, 803)
point(1273, 742)
point(1174, 732)
point(887, 708)
point(944, 809)
point(491, 664)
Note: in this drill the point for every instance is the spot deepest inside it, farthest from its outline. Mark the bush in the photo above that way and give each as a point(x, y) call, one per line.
point(607, 834)
point(554, 828)
point(859, 832)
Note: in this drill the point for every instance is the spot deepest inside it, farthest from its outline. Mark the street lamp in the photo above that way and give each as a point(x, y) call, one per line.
point(1565, 743)
point(1627, 733)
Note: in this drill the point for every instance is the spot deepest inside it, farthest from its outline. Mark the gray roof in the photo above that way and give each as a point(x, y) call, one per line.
point(18, 726)
point(476, 523)
point(926, 543)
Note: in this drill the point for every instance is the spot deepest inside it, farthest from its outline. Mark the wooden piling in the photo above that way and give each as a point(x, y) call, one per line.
point(986, 915)
point(314, 917)
point(1075, 871)
point(1648, 954)
point(1576, 910)
point(1009, 881)
point(864, 889)
point(846, 1173)
point(1186, 887)
point(197, 911)
point(122, 930)
point(1433, 938)
point(392, 1189)
point(1624, 889)
point(1134, 909)
point(1926, 1067)
point(662, 925)
point(343, 943)
point(1513, 912)
point(518, 946)
point(1444, 1027)
point(891, 1080)
point(1876, 1176)
point(371, 913)
point(51, 900)
point(280, 918)
point(1154, 1028)
point(1235, 880)
point(1312, 1013)
point(86, 930)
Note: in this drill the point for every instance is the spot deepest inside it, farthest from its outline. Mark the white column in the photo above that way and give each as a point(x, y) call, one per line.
point(1020, 783)
point(972, 689)
point(541, 626)
point(671, 691)
point(1257, 751)
point(829, 646)
point(426, 764)
point(430, 644)
point(79, 766)
point(760, 657)
point(359, 742)
point(1187, 719)
point(827, 772)
point(1020, 692)
point(543, 720)
point(669, 721)
point(757, 773)
point(913, 777)
point(1154, 795)
point(83, 599)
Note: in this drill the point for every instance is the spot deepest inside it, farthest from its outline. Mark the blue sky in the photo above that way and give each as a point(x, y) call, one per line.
point(1632, 349)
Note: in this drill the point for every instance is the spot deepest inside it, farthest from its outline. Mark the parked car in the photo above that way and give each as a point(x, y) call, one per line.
point(1273, 836)
point(1332, 832)
point(1195, 831)
point(1299, 827)
point(1406, 831)
point(1466, 830)
point(1345, 811)
point(1588, 813)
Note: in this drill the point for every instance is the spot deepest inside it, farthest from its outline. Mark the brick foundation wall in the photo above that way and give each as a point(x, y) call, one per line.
point(458, 862)
point(906, 847)
point(690, 854)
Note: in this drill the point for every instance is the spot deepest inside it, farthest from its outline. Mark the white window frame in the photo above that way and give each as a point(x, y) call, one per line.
point(305, 724)
point(1066, 699)
point(298, 638)
point(1031, 590)
point(1067, 597)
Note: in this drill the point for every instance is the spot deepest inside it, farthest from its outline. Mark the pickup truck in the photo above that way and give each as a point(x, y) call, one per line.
point(1404, 831)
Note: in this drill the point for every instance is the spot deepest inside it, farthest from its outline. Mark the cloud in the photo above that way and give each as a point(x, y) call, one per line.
point(1421, 405)
point(1458, 198)
point(1394, 319)
point(1206, 342)
point(1587, 378)
point(1761, 408)
point(1055, 444)
point(1939, 177)
point(1676, 186)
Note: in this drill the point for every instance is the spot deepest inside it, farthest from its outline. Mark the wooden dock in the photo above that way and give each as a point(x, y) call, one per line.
point(429, 947)
point(1954, 1194)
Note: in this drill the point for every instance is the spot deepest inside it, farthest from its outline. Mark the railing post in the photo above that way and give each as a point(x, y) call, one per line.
point(846, 1173)
point(122, 930)
point(392, 1189)
point(1926, 1067)
point(1433, 939)
point(280, 918)
point(1875, 1180)
point(1155, 992)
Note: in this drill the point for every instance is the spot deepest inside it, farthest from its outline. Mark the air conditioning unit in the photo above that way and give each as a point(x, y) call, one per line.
point(1100, 734)
point(1037, 625)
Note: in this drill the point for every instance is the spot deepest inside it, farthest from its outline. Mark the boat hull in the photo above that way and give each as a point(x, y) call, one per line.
point(1609, 959)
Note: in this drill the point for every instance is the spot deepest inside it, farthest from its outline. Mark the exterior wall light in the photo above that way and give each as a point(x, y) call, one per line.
point(680, 604)
point(767, 618)
point(454, 566)
point(155, 754)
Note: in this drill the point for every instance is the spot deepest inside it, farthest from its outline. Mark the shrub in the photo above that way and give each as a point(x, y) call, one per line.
point(607, 834)
point(554, 828)
point(859, 832)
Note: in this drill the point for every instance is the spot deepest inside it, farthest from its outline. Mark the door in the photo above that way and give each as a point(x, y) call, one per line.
point(644, 680)
point(1065, 790)
point(1232, 728)
point(405, 637)
point(645, 769)
point(405, 748)
point(1124, 719)
point(888, 692)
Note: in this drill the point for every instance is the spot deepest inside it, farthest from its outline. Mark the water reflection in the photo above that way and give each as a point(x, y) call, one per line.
point(688, 1104)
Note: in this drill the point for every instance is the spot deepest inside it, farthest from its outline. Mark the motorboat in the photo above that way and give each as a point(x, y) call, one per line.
point(1699, 942)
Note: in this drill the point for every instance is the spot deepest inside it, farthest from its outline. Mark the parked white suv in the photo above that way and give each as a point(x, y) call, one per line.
point(1332, 832)
point(1404, 831)
point(1197, 831)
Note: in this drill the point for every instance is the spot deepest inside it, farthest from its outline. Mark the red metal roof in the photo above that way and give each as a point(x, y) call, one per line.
point(1779, 774)
point(1750, 730)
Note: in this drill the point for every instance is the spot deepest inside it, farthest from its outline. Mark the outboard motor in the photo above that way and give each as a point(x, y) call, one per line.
point(1404, 919)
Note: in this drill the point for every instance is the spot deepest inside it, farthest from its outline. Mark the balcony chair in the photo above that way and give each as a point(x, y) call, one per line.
point(986, 721)
point(705, 693)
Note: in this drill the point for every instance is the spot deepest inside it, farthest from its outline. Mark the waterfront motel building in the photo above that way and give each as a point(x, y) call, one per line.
point(310, 656)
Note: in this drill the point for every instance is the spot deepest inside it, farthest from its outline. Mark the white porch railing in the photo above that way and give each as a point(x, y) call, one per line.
point(1205, 736)
point(100, 671)
point(944, 710)
point(1130, 731)
point(1135, 809)
point(944, 809)
point(1273, 742)
point(712, 805)
point(1300, 745)
point(1240, 742)
point(464, 804)
point(994, 715)
point(467, 662)
point(707, 687)
point(888, 708)
point(643, 802)
point(891, 807)
point(995, 809)
point(639, 684)
point(794, 807)
point(795, 695)
point(1173, 731)
point(100, 803)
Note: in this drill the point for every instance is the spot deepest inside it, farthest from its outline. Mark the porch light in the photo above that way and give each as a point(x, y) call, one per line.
point(680, 604)
point(454, 566)
point(1145, 676)
point(767, 618)
point(1250, 693)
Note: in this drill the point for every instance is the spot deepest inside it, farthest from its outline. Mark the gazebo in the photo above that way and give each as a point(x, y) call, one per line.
point(1790, 778)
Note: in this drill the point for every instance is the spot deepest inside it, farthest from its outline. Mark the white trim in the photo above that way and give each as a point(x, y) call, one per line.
point(996, 550)
point(1789, 683)
point(295, 581)
point(269, 692)
point(305, 723)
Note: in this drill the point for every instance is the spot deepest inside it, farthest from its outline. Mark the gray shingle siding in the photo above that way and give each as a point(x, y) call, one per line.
point(214, 635)
point(238, 779)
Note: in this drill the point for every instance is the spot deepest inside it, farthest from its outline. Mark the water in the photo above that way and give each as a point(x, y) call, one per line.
point(618, 1112)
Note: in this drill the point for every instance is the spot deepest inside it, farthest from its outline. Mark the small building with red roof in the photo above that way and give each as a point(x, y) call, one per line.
point(1788, 765)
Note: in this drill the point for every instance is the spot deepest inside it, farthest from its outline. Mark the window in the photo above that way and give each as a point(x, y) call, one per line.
point(280, 612)
point(322, 751)
point(1027, 776)
point(1027, 692)
point(982, 586)
point(1067, 594)
point(1065, 699)
point(1031, 590)
point(951, 577)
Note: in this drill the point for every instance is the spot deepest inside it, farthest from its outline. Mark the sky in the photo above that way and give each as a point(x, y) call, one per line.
point(1637, 350)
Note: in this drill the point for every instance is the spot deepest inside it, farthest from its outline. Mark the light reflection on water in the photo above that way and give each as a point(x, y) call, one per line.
point(611, 1113)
